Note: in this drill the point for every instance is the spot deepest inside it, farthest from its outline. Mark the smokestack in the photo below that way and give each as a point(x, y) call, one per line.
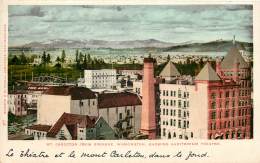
point(148, 123)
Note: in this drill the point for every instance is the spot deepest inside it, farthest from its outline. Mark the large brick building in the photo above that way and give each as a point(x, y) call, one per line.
point(216, 105)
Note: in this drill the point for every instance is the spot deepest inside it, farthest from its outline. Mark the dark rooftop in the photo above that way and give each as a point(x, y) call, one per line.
point(77, 93)
point(109, 100)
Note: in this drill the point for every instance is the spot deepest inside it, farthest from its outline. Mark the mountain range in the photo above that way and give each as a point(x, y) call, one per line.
point(190, 46)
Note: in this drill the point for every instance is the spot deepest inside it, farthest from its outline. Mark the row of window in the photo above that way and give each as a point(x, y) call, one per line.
point(213, 104)
point(229, 113)
point(167, 102)
point(228, 124)
point(174, 135)
point(172, 112)
point(181, 124)
point(173, 93)
point(81, 103)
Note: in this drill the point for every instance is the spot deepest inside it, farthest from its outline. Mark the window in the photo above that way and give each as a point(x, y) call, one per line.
point(81, 103)
point(171, 93)
point(220, 94)
point(226, 113)
point(164, 132)
point(174, 112)
point(174, 122)
point(188, 124)
point(179, 103)
point(233, 103)
point(166, 111)
point(128, 112)
point(227, 104)
point(191, 134)
point(120, 116)
point(227, 94)
point(171, 122)
point(179, 113)
point(213, 115)
point(179, 123)
point(184, 124)
point(179, 93)
point(93, 102)
point(171, 112)
point(213, 105)
point(213, 96)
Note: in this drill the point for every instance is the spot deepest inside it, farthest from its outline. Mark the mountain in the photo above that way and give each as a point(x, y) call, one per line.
point(189, 46)
point(216, 46)
point(62, 43)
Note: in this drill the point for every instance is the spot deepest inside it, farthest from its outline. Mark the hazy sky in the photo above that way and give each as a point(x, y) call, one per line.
point(166, 23)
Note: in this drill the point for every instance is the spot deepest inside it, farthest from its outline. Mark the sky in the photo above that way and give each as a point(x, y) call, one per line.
point(172, 23)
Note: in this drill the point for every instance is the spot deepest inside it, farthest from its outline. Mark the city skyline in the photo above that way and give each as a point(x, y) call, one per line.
point(175, 24)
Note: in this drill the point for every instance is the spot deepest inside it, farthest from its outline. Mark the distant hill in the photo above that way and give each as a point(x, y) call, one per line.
point(62, 43)
point(216, 46)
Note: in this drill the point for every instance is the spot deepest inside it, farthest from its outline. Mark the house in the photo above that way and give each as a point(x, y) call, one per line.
point(80, 127)
point(38, 131)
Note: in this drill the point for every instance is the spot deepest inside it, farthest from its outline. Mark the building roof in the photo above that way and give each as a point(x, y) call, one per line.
point(233, 56)
point(72, 121)
point(76, 93)
point(111, 100)
point(169, 70)
point(207, 73)
point(39, 127)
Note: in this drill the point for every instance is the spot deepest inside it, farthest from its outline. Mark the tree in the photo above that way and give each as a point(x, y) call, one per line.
point(15, 60)
point(58, 59)
point(88, 58)
point(80, 57)
point(44, 58)
point(48, 59)
point(85, 61)
point(23, 59)
point(63, 56)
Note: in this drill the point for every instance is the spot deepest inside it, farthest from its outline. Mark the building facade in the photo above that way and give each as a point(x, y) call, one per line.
point(104, 78)
point(217, 105)
point(57, 100)
point(17, 103)
point(121, 110)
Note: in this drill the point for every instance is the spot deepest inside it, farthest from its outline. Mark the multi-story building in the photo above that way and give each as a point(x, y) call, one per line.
point(217, 105)
point(17, 103)
point(104, 78)
point(120, 107)
point(70, 99)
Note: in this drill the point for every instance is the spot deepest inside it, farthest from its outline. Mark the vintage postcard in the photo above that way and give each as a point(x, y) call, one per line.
point(133, 82)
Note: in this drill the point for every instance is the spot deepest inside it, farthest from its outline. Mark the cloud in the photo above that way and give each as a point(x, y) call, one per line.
point(174, 23)
point(33, 11)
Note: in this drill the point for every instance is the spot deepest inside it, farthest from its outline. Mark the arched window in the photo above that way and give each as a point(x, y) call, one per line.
point(227, 134)
point(169, 135)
